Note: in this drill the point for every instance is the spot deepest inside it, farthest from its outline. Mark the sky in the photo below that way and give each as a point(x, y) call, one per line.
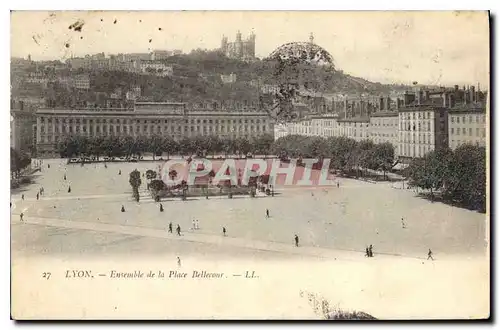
point(438, 48)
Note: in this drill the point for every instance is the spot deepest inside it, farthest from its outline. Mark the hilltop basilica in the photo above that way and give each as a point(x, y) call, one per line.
point(240, 49)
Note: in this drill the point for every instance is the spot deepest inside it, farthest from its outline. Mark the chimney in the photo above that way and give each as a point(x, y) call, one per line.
point(473, 94)
point(388, 103)
point(345, 108)
point(397, 103)
point(456, 88)
point(451, 100)
point(445, 103)
point(466, 96)
point(427, 95)
point(381, 104)
point(420, 97)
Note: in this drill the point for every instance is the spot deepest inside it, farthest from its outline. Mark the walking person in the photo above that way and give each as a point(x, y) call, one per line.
point(367, 252)
point(123, 208)
point(170, 227)
point(429, 255)
point(65, 176)
point(296, 241)
point(370, 251)
point(178, 261)
point(197, 223)
point(403, 223)
point(267, 213)
point(178, 230)
point(22, 196)
point(194, 223)
point(37, 196)
point(69, 189)
point(21, 216)
point(224, 231)
point(161, 207)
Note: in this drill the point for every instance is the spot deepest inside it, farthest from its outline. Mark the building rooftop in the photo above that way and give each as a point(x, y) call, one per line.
point(355, 119)
point(468, 108)
point(421, 107)
point(384, 114)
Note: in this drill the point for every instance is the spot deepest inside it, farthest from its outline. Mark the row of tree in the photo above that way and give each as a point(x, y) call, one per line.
point(459, 175)
point(345, 154)
point(128, 146)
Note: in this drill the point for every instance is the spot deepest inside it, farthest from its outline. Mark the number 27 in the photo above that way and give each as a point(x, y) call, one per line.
point(46, 275)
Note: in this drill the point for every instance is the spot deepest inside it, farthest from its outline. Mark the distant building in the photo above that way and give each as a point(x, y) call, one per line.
point(384, 127)
point(135, 57)
point(134, 94)
point(79, 63)
point(37, 78)
point(317, 125)
point(239, 49)
point(158, 55)
point(79, 82)
point(157, 68)
point(228, 78)
point(357, 128)
point(467, 125)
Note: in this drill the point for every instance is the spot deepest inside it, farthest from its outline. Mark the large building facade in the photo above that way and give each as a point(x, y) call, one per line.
point(146, 119)
point(239, 49)
point(422, 129)
point(467, 125)
point(384, 128)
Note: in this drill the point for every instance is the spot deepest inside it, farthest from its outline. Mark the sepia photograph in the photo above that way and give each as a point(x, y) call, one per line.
point(250, 165)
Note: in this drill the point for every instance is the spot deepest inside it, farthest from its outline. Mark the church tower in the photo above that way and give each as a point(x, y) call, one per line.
point(223, 44)
point(238, 45)
point(251, 45)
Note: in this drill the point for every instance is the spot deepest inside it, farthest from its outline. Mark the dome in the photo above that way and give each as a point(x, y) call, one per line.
point(305, 52)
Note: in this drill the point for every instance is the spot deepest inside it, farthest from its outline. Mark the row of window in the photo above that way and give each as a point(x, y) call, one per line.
point(409, 150)
point(415, 127)
point(479, 131)
point(156, 121)
point(350, 124)
point(47, 138)
point(384, 134)
point(456, 143)
point(149, 128)
point(471, 119)
point(384, 123)
point(416, 115)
